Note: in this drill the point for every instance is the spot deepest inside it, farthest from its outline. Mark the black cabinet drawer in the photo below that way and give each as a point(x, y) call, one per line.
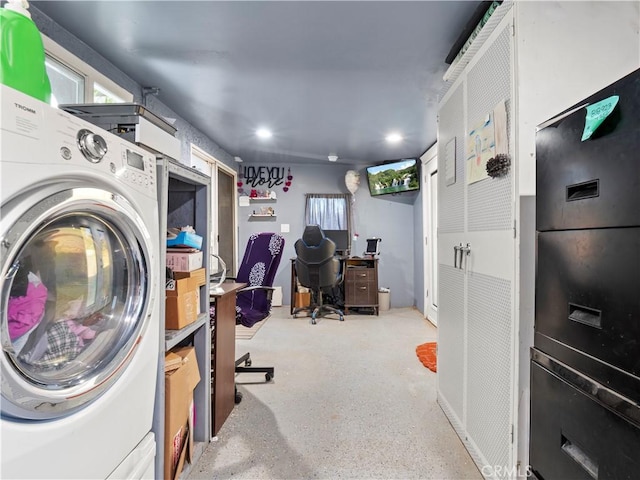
point(574, 435)
point(588, 293)
point(593, 183)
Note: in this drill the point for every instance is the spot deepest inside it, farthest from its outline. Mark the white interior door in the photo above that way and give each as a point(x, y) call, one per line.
point(430, 222)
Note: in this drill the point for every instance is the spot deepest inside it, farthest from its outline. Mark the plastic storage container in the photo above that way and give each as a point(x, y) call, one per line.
point(22, 57)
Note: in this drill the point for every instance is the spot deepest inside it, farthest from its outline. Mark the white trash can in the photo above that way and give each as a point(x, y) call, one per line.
point(384, 299)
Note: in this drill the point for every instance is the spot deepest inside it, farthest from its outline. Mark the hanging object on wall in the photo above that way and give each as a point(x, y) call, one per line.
point(487, 140)
point(480, 148)
point(352, 181)
point(287, 184)
point(262, 176)
point(240, 183)
point(450, 162)
point(498, 166)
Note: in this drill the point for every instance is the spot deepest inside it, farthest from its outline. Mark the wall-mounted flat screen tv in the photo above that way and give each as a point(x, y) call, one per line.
point(393, 177)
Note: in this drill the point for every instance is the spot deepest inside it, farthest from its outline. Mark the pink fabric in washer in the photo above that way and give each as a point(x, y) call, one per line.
point(25, 312)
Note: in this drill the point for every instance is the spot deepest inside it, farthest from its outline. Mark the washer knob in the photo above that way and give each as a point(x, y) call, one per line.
point(92, 146)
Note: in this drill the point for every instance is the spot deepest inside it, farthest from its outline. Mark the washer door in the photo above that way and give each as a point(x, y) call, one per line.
point(75, 299)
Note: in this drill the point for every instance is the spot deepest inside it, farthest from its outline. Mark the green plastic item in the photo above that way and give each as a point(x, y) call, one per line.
point(596, 114)
point(22, 57)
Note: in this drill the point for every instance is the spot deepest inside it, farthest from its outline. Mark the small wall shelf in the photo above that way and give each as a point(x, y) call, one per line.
point(258, 216)
point(262, 200)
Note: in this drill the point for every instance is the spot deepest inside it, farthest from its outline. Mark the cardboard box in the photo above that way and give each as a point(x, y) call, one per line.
point(199, 276)
point(180, 381)
point(181, 310)
point(180, 286)
point(184, 262)
point(303, 299)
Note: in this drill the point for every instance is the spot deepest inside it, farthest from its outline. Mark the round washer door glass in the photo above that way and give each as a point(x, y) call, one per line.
point(74, 297)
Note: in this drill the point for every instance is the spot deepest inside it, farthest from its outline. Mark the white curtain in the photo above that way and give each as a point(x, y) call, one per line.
point(332, 211)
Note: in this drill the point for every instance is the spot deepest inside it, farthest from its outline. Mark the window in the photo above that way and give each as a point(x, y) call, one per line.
point(104, 95)
point(67, 85)
point(332, 211)
point(73, 81)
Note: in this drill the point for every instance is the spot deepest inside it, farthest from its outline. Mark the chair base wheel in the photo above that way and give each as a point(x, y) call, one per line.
point(238, 397)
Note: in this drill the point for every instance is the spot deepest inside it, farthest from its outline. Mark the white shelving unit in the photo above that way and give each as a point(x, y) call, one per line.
point(184, 199)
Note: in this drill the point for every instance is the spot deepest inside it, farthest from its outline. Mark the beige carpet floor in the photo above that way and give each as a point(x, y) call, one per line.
point(350, 400)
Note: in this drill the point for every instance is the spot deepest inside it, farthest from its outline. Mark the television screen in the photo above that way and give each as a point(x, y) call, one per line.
point(394, 177)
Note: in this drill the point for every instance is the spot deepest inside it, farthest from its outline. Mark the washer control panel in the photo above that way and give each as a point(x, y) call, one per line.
point(137, 167)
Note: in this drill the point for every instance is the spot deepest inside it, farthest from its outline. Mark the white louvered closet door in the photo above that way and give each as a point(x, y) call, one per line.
point(476, 359)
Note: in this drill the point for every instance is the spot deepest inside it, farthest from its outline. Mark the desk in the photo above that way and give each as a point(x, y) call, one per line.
point(360, 285)
point(223, 353)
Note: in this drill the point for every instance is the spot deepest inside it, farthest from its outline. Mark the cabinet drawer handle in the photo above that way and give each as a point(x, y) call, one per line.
point(586, 316)
point(363, 288)
point(579, 191)
point(363, 274)
point(579, 456)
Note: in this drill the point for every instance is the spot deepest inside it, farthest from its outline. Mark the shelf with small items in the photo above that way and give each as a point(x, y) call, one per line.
point(261, 217)
point(262, 200)
point(263, 212)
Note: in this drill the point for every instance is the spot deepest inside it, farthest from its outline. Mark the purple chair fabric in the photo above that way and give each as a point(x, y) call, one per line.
point(258, 269)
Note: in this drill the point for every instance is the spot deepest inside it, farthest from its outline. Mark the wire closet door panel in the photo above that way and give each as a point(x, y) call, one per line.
point(476, 319)
point(451, 339)
point(489, 299)
point(451, 197)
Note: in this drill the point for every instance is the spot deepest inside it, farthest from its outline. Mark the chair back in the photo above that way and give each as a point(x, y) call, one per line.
point(258, 268)
point(316, 263)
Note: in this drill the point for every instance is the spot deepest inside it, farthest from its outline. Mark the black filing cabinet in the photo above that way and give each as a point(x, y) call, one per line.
point(585, 363)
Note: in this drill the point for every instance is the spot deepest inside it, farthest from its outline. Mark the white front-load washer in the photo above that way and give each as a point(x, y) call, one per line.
point(79, 281)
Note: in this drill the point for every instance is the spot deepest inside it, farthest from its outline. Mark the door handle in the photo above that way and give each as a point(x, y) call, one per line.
point(464, 253)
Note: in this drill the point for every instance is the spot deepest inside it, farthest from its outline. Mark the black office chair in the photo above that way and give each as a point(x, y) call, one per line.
point(318, 269)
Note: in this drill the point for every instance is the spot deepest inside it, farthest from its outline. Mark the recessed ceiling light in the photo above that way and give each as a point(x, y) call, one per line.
point(393, 138)
point(332, 158)
point(264, 133)
point(237, 159)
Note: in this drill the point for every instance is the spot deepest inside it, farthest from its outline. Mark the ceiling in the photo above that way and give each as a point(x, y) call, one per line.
point(327, 77)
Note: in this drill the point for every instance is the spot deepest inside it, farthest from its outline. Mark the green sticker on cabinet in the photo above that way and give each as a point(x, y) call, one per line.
point(597, 113)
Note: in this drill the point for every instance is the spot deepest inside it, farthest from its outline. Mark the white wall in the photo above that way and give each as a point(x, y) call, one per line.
point(566, 51)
